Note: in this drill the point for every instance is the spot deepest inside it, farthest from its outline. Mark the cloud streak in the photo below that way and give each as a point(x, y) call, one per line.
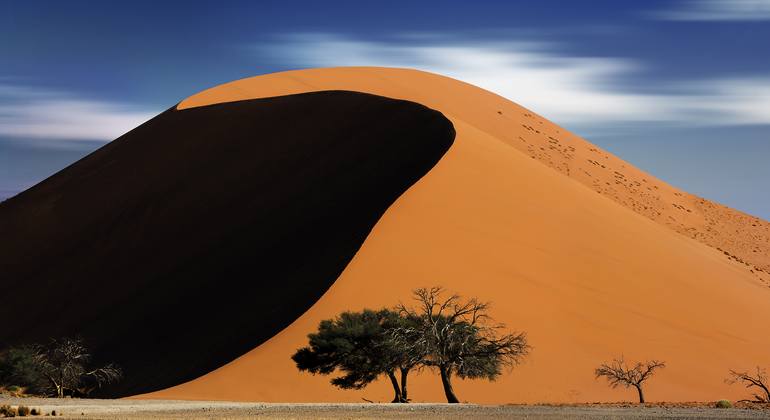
point(581, 90)
point(43, 115)
point(718, 10)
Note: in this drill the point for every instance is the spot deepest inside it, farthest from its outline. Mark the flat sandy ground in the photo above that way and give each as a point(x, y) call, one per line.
point(160, 409)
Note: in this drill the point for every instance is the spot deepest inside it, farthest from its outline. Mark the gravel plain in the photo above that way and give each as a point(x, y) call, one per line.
point(159, 409)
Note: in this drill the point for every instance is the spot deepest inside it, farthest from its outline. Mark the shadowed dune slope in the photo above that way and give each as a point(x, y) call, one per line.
point(551, 229)
point(202, 233)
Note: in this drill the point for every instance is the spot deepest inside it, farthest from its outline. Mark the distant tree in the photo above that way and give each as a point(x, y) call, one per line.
point(618, 373)
point(19, 366)
point(457, 337)
point(361, 347)
point(65, 364)
point(759, 380)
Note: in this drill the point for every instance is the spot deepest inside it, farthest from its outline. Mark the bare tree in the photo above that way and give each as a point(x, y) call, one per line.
point(457, 337)
point(64, 363)
point(759, 381)
point(619, 373)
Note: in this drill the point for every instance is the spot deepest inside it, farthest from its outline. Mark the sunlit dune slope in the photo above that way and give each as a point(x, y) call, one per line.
point(511, 214)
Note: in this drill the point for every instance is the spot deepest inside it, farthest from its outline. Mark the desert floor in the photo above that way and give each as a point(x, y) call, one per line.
point(167, 409)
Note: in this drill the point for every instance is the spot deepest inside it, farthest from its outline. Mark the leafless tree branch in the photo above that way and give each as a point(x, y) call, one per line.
point(758, 380)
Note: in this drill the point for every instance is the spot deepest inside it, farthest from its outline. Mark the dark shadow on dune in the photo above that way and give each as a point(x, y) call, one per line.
point(202, 233)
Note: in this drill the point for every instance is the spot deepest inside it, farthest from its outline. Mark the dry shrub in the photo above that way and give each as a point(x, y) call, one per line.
point(7, 411)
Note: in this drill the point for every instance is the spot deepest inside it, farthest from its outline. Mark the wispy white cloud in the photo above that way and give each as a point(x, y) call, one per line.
point(582, 90)
point(736, 101)
point(717, 10)
point(41, 114)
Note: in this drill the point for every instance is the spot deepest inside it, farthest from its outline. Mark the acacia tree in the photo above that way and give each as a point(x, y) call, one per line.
point(618, 373)
point(753, 381)
point(457, 337)
point(360, 345)
point(65, 364)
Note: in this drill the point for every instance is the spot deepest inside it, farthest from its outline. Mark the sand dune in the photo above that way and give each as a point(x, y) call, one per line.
point(204, 232)
point(590, 256)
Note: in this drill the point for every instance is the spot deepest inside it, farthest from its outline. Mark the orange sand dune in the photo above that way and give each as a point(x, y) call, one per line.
point(588, 276)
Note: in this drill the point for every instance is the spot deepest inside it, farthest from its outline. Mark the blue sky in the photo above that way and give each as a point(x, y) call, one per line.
point(679, 88)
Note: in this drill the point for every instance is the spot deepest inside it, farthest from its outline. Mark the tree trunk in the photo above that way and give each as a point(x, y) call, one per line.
point(641, 394)
point(396, 389)
point(60, 385)
point(767, 392)
point(404, 374)
point(59, 392)
point(446, 378)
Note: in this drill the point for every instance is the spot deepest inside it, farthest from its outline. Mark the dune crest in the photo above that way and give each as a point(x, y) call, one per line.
point(511, 214)
point(741, 237)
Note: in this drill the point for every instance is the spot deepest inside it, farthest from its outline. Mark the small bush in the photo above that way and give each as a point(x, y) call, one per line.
point(7, 411)
point(18, 366)
point(13, 388)
point(724, 404)
point(22, 411)
point(34, 412)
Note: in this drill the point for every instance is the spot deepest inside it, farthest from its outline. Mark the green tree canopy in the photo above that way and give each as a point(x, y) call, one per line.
point(19, 366)
point(452, 335)
point(360, 346)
